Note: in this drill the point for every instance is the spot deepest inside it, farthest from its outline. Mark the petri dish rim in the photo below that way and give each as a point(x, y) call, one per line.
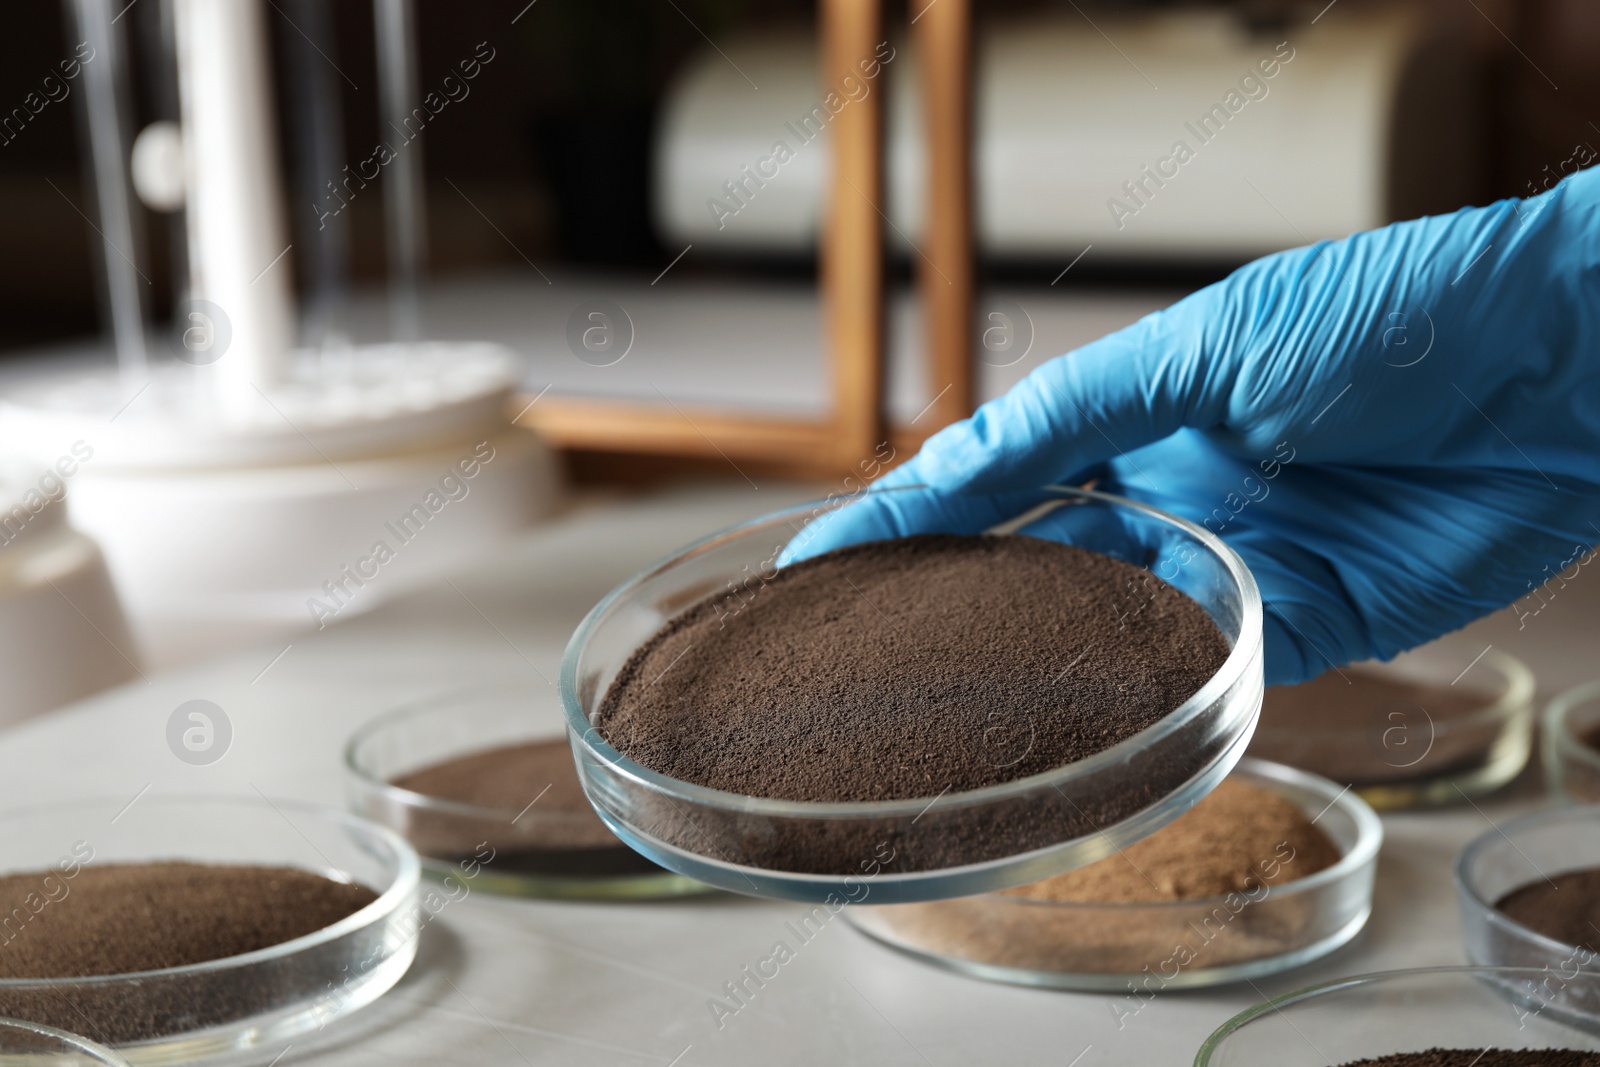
point(1239, 659)
point(1369, 838)
point(413, 709)
point(1295, 996)
point(1466, 890)
point(1557, 718)
point(1002, 908)
point(69, 1041)
point(407, 877)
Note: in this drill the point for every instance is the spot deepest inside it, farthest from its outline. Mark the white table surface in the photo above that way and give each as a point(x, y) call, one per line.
point(517, 982)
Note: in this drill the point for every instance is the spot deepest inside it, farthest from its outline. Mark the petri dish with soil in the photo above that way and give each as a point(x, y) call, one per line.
point(30, 1043)
point(481, 781)
point(1425, 1017)
point(1572, 744)
point(1415, 731)
point(1019, 692)
point(1270, 871)
point(1529, 892)
point(200, 929)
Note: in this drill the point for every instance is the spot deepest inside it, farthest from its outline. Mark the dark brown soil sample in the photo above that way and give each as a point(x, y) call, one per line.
point(143, 917)
point(509, 778)
point(1564, 906)
point(1477, 1057)
point(544, 825)
point(914, 668)
point(116, 919)
point(877, 672)
point(1239, 837)
point(1363, 727)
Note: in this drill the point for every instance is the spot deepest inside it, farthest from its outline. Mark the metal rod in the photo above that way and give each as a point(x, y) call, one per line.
point(316, 121)
point(404, 214)
point(106, 96)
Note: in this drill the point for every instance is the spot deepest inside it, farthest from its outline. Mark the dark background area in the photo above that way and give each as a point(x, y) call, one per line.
point(553, 142)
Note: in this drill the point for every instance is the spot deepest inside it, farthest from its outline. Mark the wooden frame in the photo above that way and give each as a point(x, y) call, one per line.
point(851, 279)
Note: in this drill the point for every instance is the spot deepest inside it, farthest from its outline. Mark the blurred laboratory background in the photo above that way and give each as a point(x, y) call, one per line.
point(283, 282)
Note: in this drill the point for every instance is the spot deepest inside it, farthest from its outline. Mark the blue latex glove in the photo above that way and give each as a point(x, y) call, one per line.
point(1399, 432)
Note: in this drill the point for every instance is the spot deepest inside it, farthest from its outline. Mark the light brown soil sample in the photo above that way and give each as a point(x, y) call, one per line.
point(1238, 837)
point(1216, 874)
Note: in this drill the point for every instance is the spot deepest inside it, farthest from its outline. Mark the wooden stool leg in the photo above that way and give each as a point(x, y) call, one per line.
point(851, 280)
point(943, 30)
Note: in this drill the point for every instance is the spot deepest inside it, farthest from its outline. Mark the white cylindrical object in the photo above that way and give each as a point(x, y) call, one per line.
point(1359, 122)
point(237, 236)
point(62, 631)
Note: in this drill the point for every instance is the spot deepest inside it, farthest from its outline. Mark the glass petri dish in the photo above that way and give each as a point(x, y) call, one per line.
point(239, 1007)
point(925, 848)
point(1571, 763)
point(37, 1046)
point(528, 851)
point(1184, 944)
point(1374, 1015)
point(1446, 735)
point(1527, 851)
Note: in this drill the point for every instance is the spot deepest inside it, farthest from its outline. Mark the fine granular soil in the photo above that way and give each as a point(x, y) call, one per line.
point(882, 671)
point(1242, 840)
point(508, 778)
point(1564, 906)
point(1364, 727)
point(1239, 837)
point(116, 919)
point(1477, 1057)
point(543, 825)
point(907, 669)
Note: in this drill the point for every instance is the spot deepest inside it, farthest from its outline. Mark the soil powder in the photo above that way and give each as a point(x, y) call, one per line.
point(1239, 837)
point(908, 668)
point(1227, 855)
point(142, 917)
point(114, 919)
point(1495, 1057)
point(1563, 906)
point(548, 826)
point(1363, 727)
point(509, 778)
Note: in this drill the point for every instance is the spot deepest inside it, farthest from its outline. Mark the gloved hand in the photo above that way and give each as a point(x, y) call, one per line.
point(1399, 432)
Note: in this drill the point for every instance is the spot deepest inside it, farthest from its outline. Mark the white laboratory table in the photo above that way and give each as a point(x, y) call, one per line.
point(502, 981)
